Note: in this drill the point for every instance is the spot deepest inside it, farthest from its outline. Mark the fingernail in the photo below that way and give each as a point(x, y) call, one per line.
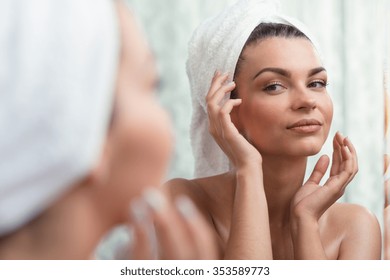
point(124, 242)
point(185, 207)
point(154, 199)
point(231, 83)
point(138, 210)
point(216, 73)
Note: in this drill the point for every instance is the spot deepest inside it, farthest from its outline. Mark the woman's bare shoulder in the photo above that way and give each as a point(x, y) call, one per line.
point(204, 192)
point(192, 188)
point(181, 186)
point(349, 213)
point(197, 186)
point(352, 217)
point(178, 186)
point(359, 228)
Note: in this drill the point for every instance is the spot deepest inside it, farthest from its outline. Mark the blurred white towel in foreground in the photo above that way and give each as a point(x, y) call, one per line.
point(56, 88)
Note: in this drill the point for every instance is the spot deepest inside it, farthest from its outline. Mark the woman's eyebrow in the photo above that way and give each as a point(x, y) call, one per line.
point(287, 73)
point(279, 71)
point(317, 70)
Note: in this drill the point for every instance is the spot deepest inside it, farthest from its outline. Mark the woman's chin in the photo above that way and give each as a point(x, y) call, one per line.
point(309, 150)
point(306, 148)
point(303, 150)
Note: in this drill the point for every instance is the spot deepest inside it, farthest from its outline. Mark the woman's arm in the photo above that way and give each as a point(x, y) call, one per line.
point(249, 236)
point(306, 240)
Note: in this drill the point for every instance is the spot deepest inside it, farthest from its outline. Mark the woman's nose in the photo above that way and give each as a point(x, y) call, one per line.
point(303, 99)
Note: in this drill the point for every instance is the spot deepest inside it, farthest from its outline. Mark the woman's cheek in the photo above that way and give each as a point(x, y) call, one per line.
point(153, 140)
point(328, 108)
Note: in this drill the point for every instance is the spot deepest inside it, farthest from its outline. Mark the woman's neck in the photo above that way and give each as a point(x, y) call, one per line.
point(71, 229)
point(282, 178)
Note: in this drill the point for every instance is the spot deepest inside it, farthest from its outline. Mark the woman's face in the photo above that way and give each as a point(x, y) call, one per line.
point(140, 139)
point(285, 110)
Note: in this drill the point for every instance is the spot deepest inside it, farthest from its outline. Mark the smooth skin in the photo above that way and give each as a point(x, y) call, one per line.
point(262, 208)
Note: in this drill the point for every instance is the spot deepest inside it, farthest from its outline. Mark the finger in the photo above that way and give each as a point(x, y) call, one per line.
point(352, 149)
point(214, 108)
point(144, 245)
point(171, 237)
point(352, 158)
point(337, 183)
point(339, 138)
point(216, 74)
point(345, 153)
point(215, 100)
point(336, 157)
point(141, 248)
point(348, 159)
point(228, 128)
point(229, 133)
point(217, 81)
point(215, 113)
point(347, 142)
point(346, 148)
point(340, 141)
point(319, 170)
point(197, 229)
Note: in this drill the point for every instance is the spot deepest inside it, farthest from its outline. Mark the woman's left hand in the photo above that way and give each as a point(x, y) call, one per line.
point(312, 200)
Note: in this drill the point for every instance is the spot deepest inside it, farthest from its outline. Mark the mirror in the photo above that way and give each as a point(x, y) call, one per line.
point(352, 36)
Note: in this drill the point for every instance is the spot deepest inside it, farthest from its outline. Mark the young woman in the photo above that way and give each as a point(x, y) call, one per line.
point(278, 114)
point(83, 136)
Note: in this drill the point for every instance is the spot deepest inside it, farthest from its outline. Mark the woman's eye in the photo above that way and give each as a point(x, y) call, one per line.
point(317, 84)
point(272, 88)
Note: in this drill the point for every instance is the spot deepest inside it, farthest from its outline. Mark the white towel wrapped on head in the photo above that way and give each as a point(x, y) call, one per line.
point(216, 45)
point(58, 63)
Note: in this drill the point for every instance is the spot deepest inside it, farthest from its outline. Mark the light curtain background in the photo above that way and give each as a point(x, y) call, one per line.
point(386, 76)
point(351, 35)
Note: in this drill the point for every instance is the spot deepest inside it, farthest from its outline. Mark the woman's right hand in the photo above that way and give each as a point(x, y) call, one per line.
point(240, 152)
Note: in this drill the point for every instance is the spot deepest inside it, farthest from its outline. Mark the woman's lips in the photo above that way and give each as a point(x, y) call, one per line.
point(305, 126)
